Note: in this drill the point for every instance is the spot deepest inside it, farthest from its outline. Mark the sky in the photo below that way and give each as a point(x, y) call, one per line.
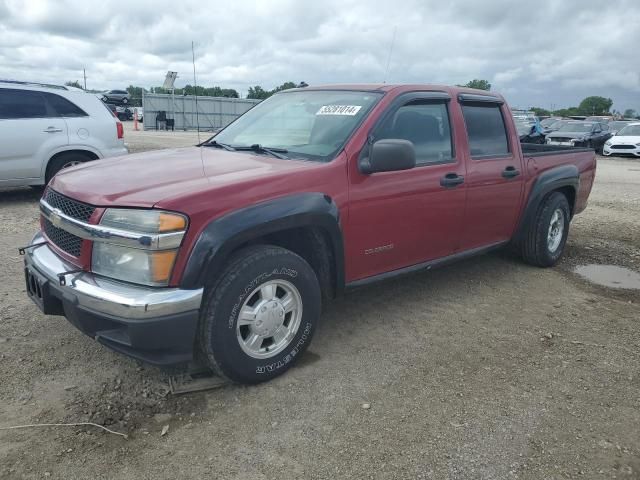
point(546, 53)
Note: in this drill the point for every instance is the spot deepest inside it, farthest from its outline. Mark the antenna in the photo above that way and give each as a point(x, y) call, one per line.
point(393, 40)
point(195, 88)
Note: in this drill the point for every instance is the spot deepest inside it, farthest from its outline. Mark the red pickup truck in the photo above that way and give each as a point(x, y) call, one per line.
point(225, 251)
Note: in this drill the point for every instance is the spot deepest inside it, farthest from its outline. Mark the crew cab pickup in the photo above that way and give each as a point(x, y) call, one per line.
point(225, 252)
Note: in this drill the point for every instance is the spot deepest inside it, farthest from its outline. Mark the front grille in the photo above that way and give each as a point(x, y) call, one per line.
point(623, 147)
point(64, 240)
point(69, 206)
point(561, 139)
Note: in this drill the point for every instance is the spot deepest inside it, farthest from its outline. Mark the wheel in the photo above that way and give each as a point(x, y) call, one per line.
point(260, 315)
point(545, 239)
point(63, 161)
point(125, 100)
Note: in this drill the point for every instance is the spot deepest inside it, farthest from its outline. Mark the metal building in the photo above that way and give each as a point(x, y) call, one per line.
point(213, 112)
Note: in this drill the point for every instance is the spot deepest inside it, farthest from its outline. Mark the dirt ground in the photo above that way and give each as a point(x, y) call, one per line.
point(487, 369)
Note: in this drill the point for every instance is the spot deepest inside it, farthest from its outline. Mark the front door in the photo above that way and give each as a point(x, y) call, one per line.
point(398, 219)
point(494, 176)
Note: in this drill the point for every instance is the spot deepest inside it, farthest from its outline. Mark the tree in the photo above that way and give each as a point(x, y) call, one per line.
point(75, 83)
point(567, 112)
point(258, 93)
point(541, 112)
point(135, 95)
point(629, 113)
point(284, 86)
point(478, 84)
point(595, 106)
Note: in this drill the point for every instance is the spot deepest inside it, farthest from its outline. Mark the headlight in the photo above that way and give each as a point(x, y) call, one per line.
point(135, 264)
point(608, 143)
point(548, 140)
point(148, 267)
point(143, 221)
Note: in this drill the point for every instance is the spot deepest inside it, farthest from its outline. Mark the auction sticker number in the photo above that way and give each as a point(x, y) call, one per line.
point(349, 110)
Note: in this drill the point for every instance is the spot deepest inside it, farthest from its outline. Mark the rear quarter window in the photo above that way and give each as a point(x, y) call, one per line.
point(63, 107)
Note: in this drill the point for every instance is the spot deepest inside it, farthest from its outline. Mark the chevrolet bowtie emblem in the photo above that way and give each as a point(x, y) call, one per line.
point(55, 217)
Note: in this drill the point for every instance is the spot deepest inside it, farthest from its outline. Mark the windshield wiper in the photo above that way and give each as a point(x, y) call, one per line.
point(219, 145)
point(274, 152)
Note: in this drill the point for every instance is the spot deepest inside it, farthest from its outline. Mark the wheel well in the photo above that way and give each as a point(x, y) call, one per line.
point(312, 244)
point(85, 153)
point(570, 193)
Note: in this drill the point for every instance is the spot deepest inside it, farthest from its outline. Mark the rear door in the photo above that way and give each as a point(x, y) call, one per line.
point(494, 172)
point(81, 128)
point(29, 132)
point(398, 219)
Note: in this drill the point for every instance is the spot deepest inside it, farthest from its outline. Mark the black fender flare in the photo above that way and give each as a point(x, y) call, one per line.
point(548, 181)
point(225, 234)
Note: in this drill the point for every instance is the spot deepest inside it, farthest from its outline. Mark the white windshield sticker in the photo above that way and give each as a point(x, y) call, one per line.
point(350, 110)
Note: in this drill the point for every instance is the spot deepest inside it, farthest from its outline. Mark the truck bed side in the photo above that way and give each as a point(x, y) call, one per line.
point(541, 158)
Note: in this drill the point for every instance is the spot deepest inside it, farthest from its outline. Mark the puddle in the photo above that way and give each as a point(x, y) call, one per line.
point(610, 276)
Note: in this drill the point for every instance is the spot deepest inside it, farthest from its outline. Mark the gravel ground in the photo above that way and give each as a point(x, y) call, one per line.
point(486, 369)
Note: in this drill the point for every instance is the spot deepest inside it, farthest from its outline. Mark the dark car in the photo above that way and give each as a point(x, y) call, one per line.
point(116, 96)
point(122, 113)
point(547, 122)
point(552, 127)
point(580, 134)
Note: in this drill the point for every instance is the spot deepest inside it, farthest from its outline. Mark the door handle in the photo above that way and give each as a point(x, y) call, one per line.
point(52, 130)
point(510, 172)
point(451, 180)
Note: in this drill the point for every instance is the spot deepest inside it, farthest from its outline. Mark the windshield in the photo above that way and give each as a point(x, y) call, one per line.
point(576, 127)
point(629, 131)
point(311, 124)
point(557, 124)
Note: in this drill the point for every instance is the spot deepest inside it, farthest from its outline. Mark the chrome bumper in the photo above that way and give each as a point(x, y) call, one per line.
point(110, 297)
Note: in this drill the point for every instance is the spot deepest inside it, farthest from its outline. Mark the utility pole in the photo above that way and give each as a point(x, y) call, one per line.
point(84, 74)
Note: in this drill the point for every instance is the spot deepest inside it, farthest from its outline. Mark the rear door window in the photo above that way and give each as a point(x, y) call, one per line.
point(18, 104)
point(486, 130)
point(63, 107)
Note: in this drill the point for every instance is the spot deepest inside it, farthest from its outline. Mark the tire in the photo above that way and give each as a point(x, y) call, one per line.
point(125, 101)
point(63, 161)
point(256, 349)
point(541, 246)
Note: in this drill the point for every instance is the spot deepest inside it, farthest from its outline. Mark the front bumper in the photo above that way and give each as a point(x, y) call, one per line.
point(609, 150)
point(155, 325)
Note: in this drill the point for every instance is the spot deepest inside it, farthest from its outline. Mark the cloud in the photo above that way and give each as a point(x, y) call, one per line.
point(536, 54)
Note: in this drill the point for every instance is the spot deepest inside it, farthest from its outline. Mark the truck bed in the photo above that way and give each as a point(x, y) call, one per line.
point(536, 150)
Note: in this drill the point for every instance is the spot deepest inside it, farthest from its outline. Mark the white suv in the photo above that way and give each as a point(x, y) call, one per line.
point(45, 128)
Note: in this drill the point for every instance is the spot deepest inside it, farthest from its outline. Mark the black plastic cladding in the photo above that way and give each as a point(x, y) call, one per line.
point(553, 179)
point(223, 235)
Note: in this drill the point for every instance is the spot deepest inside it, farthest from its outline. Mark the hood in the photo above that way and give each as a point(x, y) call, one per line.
point(625, 140)
point(144, 179)
point(557, 134)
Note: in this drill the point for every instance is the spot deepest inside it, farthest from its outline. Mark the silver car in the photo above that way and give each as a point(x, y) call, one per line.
point(116, 96)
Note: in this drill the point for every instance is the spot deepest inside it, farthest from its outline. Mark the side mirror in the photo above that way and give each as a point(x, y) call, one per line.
point(388, 156)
